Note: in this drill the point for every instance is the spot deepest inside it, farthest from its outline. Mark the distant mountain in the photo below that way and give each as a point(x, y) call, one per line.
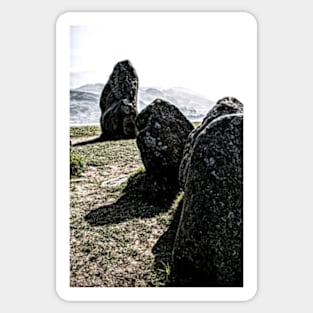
point(192, 105)
point(92, 88)
point(84, 102)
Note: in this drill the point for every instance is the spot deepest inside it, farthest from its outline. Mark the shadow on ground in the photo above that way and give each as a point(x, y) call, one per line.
point(163, 248)
point(143, 197)
point(87, 141)
point(178, 276)
point(96, 139)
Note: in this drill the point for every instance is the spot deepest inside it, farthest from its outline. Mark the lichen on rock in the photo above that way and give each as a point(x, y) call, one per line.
point(162, 131)
point(208, 248)
point(226, 105)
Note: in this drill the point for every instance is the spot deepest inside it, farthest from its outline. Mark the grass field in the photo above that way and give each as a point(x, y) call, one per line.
point(125, 240)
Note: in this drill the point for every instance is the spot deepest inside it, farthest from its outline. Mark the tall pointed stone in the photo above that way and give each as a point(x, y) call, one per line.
point(118, 103)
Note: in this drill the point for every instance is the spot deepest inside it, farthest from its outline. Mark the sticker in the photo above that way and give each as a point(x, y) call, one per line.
point(156, 156)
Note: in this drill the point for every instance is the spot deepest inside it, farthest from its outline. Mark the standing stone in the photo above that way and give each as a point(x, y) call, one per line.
point(162, 131)
point(208, 248)
point(118, 103)
point(227, 105)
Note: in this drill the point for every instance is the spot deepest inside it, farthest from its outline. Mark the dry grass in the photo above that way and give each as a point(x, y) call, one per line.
point(114, 246)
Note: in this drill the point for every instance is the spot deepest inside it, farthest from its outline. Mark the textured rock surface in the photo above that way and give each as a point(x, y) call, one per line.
point(208, 245)
point(162, 131)
point(227, 105)
point(118, 103)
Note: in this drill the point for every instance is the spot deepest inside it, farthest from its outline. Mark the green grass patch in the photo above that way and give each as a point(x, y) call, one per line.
point(85, 131)
point(196, 124)
point(77, 164)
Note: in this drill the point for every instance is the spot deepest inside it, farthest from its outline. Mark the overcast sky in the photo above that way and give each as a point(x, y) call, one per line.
point(213, 54)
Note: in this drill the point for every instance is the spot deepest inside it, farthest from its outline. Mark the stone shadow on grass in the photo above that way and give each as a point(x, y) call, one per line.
point(178, 276)
point(163, 248)
point(143, 197)
point(87, 141)
point(97, 139)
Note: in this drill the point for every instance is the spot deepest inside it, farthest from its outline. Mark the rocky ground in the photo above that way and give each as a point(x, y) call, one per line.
point(128, 245)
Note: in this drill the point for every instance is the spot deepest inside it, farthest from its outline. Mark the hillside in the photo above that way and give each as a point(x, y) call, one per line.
point(84, 102)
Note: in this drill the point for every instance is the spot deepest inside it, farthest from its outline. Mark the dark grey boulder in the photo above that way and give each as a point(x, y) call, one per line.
point(162, 131)
point(118, 103)
point(208, 247)
point(227, 105)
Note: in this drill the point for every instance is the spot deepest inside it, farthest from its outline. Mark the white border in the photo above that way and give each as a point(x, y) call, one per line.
point(63, 288)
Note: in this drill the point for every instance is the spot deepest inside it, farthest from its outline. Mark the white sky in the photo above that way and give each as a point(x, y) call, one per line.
point(213, 54)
